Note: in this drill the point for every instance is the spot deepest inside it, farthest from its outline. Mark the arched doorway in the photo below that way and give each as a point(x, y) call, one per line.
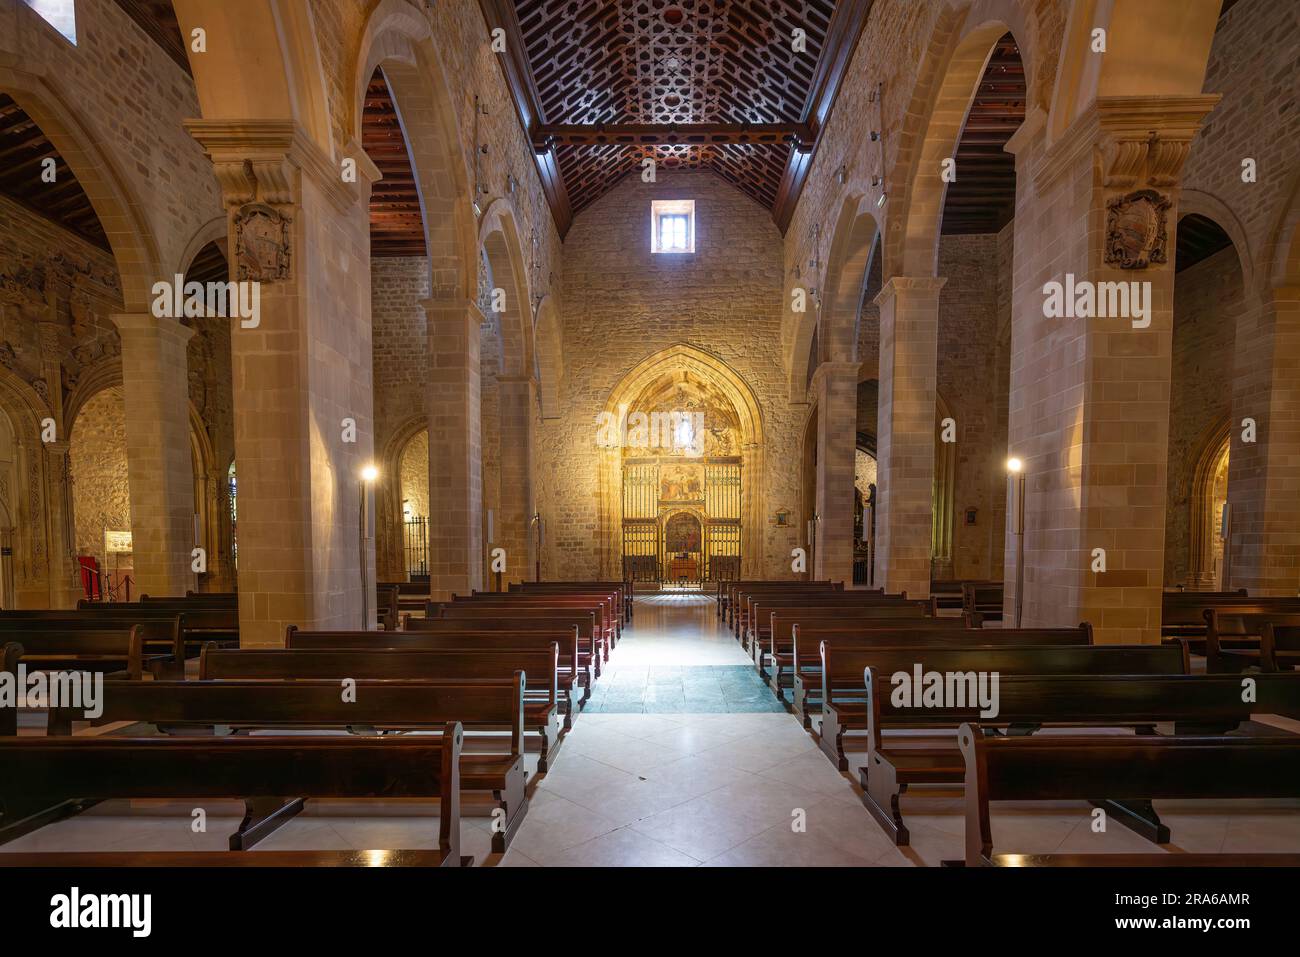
point(414, 492)
point(101, 498)
point(681, 435)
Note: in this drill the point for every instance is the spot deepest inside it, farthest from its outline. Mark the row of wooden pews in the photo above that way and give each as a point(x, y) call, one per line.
point(1234, 630)
point(839, 654)
point(508, 672)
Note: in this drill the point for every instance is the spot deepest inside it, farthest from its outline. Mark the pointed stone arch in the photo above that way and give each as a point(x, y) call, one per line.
point(548, 356)
point(131, 241)
point(960, 47)
point(1201, 549)
point(397, 39)
point(833, 328)
point(688, 359)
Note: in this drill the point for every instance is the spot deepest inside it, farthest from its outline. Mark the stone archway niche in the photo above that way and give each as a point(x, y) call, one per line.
point(674, 479)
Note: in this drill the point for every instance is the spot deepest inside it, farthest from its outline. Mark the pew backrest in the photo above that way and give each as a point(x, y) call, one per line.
point(312, 704)
point(844, 666)
point(541, 665)
point(1147, 766)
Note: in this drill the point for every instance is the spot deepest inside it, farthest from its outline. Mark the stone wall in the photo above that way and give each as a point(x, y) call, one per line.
point(400, 350)
point(97, 456)
point(1206, 302)
point(967, 352)
point(133, 100)
point(624, 304)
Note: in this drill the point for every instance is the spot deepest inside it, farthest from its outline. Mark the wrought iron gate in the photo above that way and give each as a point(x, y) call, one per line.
point(416, 537)
point(644, 523)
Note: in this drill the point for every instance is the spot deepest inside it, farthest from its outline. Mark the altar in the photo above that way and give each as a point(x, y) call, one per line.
point(680, 568)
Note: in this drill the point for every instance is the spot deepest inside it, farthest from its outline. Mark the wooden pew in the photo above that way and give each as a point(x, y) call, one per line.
point(948, 592)
point(51, 778)
point(1147, 766)
point(622, 589)
point(844, 690)
point(1233, 635)
point(117, 651)
point(242, 706)
point(759, 631)
point(387, 607)
point(1201, 704)
point(1279, 643)
point(541, 704)
point(982, 598)
point(483, 618)
point(775, 658)
point(159, 638)
point(167, 635)
point(169, 859)
point(727, 591)
point(804, 663)
point(1183, 614)
point(411, 596)
point(604, 605)
point(573, 682)
point(742, 618)
point(742, 598)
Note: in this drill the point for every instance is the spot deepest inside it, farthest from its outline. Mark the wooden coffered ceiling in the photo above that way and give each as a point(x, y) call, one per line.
point(983, 197)
point(396, 219)
point(601, 85)
point(23, 151)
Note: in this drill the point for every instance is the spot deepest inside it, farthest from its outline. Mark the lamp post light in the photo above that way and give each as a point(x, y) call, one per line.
point(1016, 489)
point(368, 476)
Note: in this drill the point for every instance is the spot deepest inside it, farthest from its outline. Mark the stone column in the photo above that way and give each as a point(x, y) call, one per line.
point(835, 385)
point(909, 342)
point(518, 399)
point(159, 462)
point(1089, 408)
point(455, 448)
point(302, 372)
point(1264, 474)
point(64, 578)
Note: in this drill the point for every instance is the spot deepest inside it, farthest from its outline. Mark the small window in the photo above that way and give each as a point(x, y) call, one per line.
point(672, 226)
point(60, 14)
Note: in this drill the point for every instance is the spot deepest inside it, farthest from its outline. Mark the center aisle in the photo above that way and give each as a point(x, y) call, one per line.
point(678, 658)
point(683, 756)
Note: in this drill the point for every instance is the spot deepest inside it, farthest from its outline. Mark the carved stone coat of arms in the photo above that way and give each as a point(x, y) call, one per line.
point(1136, 233)
point(262, 244)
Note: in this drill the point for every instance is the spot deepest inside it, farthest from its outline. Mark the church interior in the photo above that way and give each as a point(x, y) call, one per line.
point(596, 433)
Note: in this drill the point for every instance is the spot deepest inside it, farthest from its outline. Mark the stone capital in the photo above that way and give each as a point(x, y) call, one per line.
point(137, 324)
point(910, 288)
point(259, 160)
point(1143, 140)
point(440, 312)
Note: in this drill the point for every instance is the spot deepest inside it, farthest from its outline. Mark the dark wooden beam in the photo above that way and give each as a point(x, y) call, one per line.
point(519, 79)
point(842, 37)
point(650, 134)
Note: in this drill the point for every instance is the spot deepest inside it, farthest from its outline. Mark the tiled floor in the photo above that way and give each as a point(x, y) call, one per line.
point(684, 789)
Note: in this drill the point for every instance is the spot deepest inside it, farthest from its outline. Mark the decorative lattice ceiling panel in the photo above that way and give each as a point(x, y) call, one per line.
point(695, 84)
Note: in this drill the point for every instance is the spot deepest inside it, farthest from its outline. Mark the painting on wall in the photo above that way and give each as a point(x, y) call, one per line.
point(681, 483)
point(682, 534)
